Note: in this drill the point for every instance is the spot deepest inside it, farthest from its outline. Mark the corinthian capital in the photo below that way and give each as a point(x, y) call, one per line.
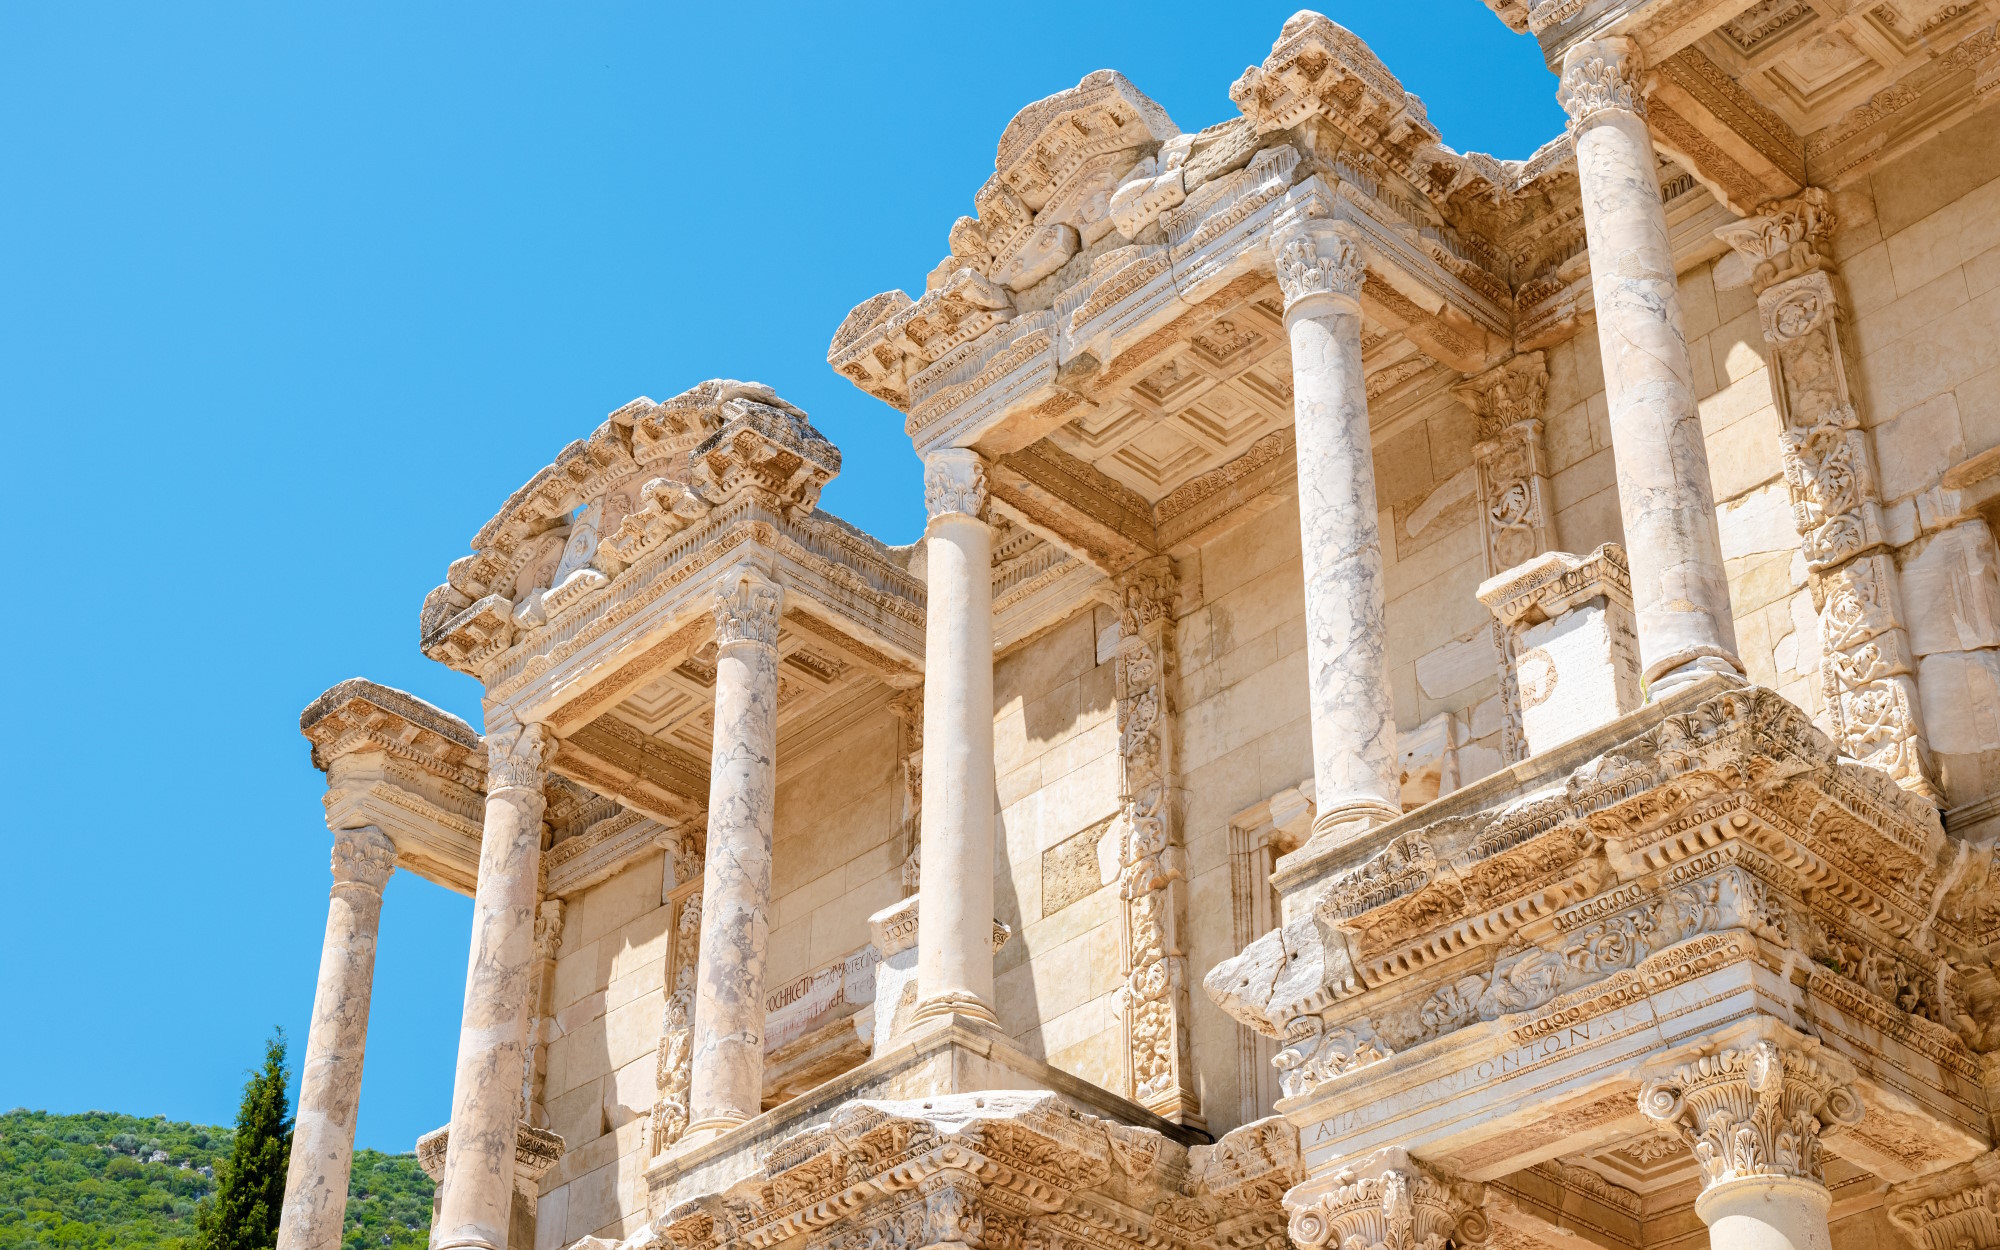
point(1601, 76)
point(1759, 1111)
point(955, 482)
point(363, 857)
point(1318, 257)
point(1507, 394)
point(1782, 240)
point(517, 756)
point(747, 605)
point(1389, 1201)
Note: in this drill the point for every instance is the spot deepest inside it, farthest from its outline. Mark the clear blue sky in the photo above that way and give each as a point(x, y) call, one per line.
point(293, 296)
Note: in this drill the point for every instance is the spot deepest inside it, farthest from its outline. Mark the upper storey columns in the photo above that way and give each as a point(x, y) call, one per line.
point(726, 1084)
point(478, 1181)
point(955, 886)
point(1680, 593)
point(1353, 711)
point(330, 1079)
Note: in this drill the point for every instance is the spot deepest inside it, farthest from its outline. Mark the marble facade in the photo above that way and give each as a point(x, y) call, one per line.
point(1441, 702)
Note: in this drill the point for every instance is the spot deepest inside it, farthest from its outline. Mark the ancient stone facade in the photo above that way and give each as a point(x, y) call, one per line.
point(1441, 702)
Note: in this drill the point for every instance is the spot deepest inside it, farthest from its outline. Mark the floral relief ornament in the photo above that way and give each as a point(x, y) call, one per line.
point(955, 482)
point(1318, 257)
point(746, 609)
point(1600, 77)
point(517, 756)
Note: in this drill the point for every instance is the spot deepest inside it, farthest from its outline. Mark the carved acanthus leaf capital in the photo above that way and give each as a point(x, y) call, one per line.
point(517, 756)
point(1144, 594)
point(1507, 394)
point(1390, 1201)
point(1783, 239)
point(955, 483)
point(1758, 1111)
point(1318, 256)
point(1601, 76)
point(1958, 1207)
point(747, 607)
point(364, 856)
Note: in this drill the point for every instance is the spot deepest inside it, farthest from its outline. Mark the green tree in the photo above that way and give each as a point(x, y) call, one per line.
point(250, 1185)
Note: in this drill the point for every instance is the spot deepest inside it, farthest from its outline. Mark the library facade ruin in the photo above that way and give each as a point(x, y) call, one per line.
point(1442, 702)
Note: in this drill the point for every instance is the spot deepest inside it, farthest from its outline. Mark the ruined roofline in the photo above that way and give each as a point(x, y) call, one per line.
point(1089, 174)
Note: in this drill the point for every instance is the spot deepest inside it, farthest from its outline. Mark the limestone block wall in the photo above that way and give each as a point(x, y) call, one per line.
point(1055, 747)
point(1919, 248)
point(834, 861)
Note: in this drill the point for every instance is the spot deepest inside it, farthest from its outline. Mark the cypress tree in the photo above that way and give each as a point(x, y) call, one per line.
point(242, 1214)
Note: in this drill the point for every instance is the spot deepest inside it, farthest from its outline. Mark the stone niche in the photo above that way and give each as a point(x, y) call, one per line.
point(1571, 643)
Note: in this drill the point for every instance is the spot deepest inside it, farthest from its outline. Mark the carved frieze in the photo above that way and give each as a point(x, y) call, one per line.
point(1867, 672)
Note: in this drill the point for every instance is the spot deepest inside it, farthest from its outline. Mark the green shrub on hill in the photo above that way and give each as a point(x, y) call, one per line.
point(117, 1182)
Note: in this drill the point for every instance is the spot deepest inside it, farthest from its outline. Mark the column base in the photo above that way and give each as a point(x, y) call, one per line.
point(1766, 1213)
point(955, 1003)
point(1692, 665)
point(1351, 819)
point(465, 1243)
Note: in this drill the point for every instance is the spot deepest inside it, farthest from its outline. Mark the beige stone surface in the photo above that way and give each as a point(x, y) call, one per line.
point(1226, 430)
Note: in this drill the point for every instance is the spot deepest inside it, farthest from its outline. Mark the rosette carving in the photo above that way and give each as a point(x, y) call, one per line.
point(1759, 1111)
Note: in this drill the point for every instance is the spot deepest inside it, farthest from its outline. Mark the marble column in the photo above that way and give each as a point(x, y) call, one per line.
point(1680, 592)
point(478, 1185)
point(726, 1083)
point(330, 1078)
point(1355, 773)
point(1755, 1117)
point(955, 882)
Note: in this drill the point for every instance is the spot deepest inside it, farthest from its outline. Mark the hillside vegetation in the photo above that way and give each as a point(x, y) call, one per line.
point(125, 1183)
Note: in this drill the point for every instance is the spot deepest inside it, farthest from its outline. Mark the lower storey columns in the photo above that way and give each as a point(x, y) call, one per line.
point(1680, 593)
point(478, 1183)
point(955, 892)
point(330, 1078)
point(1355, 771)
point(726, 1084)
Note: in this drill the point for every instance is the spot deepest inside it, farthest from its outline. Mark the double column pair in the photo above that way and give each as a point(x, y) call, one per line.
point(728, 1059)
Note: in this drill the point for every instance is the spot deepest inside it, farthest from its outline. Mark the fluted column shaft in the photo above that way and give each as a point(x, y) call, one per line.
point(330, 1078)
point(727, 1075)
point(1353, 709)
point(955, 882)
point(1680, 592)
point(478, 1183)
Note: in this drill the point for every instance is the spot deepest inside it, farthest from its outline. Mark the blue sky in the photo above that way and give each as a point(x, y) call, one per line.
point(293, 296)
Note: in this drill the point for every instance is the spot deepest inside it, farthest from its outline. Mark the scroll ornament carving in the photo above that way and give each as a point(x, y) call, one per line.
point(364, 857)
point(1598, 78)
point(1759, 1111)
point(1318, 257)
point(517, 756)
point(1392, 1202)
point(1867, 674)
point(1155, 990)
point(1956, 1209)
point(747, 608)
point(955, 482)
point(1783, 240)
point(674, 1068)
